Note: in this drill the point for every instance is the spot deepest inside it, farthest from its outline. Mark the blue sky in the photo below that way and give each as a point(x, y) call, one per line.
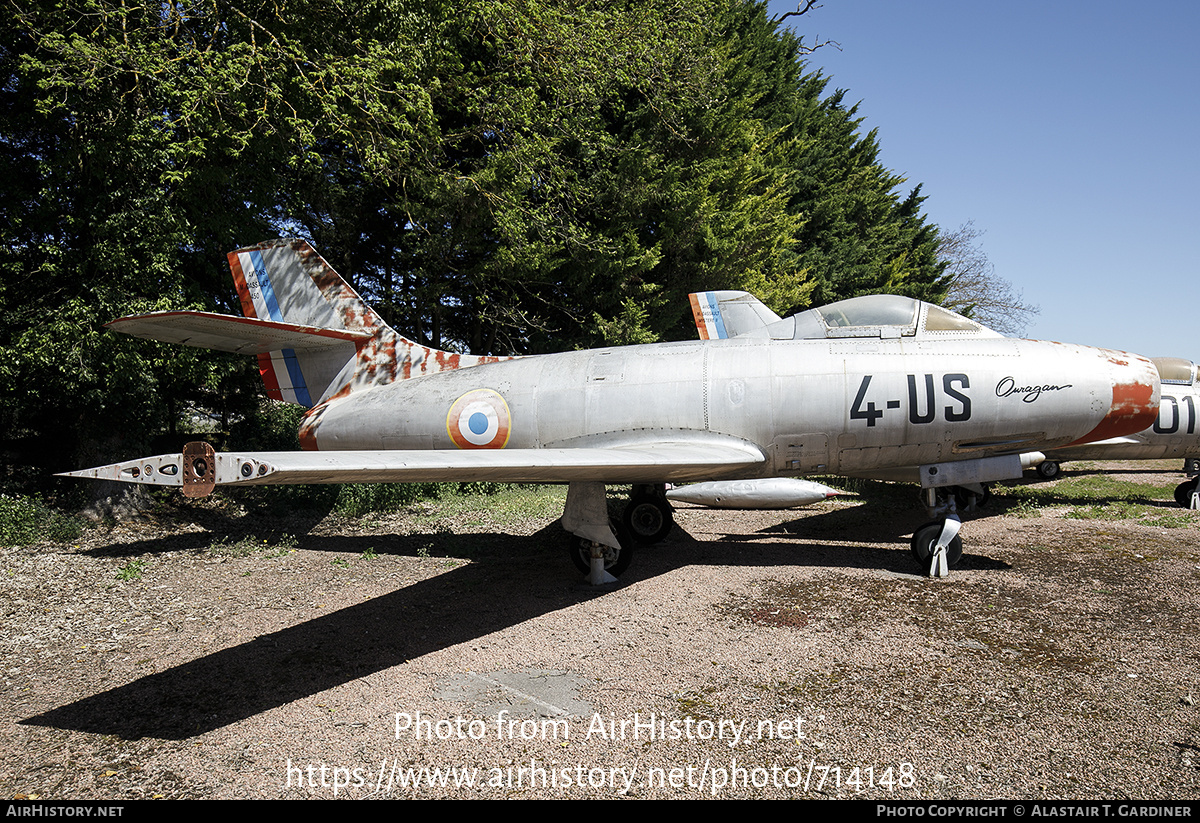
point(1067, 131)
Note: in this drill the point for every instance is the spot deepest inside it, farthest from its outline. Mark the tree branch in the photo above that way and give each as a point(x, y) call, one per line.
point(809, 5)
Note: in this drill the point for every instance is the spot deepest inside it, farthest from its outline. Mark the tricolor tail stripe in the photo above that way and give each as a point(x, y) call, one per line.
point(280, 370)
point(269, 302)
point(707, 313)
point(286, 283)
point(295, 390)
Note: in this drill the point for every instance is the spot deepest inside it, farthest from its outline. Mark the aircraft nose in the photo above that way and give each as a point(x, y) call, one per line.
point(1135, 396)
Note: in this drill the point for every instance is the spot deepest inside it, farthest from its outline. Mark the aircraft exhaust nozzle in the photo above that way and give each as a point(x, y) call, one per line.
point(767, 493)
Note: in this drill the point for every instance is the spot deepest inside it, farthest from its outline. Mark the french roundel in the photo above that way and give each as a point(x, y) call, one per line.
point(479, 420)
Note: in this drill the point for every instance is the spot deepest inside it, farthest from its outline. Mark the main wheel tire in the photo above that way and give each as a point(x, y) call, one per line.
point(616, 561)
point(1048, 469)
point(1183, 492)
point(926, 537)
point(648, 519)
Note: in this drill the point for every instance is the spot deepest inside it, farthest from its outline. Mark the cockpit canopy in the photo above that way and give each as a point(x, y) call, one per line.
point(876, 315)
point(1177, 371)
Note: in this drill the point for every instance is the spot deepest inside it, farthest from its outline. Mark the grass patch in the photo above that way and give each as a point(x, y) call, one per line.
point(1092, 489)
point(1100, 497)
point(251, 545)
point(25, 520)
point(1026, 509)
point(508, 500)
point(1173, 521)
point(1116, 510)
point(367, 498)
point(133, 570)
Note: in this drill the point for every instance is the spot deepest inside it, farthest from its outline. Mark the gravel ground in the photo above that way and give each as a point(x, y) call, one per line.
point(752, 654)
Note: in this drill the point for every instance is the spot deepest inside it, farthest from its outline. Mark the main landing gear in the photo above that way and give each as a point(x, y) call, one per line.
point(648, 516)
point(615, 560)
point(602, 547)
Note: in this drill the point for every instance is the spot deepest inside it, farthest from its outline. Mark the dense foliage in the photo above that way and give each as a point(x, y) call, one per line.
point(497, 176)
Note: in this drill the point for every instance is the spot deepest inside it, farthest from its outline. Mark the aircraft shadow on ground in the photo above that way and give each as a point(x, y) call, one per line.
point(262, 523)
point(458, 605)
point(514, 580)
point(845, 538)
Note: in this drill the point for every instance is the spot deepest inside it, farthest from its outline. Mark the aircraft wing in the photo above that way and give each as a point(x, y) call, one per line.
point(199, 468)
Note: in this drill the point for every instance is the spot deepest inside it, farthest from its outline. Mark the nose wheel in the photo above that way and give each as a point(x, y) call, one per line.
point(936, 542)
point(936, 546)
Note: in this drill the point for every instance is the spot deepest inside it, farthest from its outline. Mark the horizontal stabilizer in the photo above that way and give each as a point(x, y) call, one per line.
point(640, 463)
point(242, 335)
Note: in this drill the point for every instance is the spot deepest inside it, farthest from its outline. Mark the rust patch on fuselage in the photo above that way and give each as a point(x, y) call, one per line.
point(1134, 408)
point(446, 360)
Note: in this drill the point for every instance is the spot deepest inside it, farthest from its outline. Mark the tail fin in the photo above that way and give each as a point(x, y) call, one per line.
point(274, 283)
point(314, 336)
point(722, 314)
point(287, 281)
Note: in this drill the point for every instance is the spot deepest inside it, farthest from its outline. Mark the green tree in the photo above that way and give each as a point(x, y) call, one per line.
point(142, 141)
point(500, 176)
point(859, 236)
point(581, 170)
point(636, 171)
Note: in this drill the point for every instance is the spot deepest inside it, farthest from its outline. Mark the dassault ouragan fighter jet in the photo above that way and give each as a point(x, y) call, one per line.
point(1175, 433)
point(867, 384)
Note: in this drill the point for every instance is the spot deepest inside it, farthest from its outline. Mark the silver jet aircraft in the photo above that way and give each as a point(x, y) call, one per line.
point(1175, 433)
point(868, 384)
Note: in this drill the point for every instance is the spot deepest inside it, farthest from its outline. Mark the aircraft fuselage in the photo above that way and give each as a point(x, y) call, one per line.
point(811, 406)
